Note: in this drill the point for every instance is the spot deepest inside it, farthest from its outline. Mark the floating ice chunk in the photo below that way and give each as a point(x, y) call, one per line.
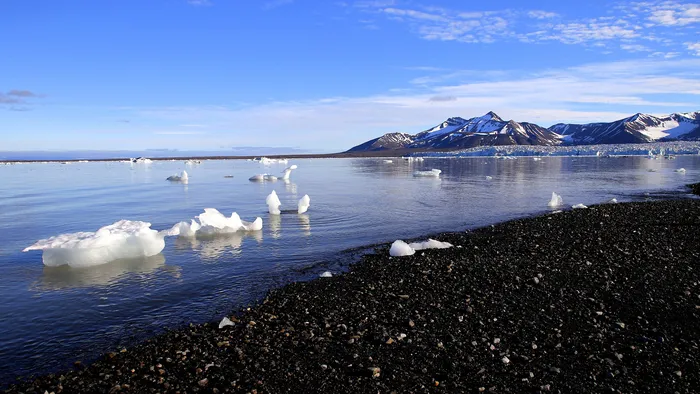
point(489, 177)
point(122, 240)
point(212, 222)
point(556, 200)
point(142, 160)
point(226, 322)
point(401, 248)
point(192, 162)
point(579, 206)
point(185, 229)
point(273, 203)
point(536, 158)
point(270, 178)
point(388, 161)
point(430, 244)
point(681, 170)
point(652, 170)
point(288, 171)
point(182, 177)
point(612, 201)
point(327, 274)
point(304, 203)
point(432, 173)
point(257, 178)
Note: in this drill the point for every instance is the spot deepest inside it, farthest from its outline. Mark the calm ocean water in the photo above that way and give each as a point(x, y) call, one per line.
point(52, 317)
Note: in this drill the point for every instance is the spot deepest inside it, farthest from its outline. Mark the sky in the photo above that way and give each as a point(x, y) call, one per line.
point(328, 75)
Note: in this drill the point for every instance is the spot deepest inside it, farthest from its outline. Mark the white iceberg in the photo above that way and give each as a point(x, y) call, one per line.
point(681, 170)
point(304, 203)
point(192, 162)
point(124, 239)
point(213, 222)
point(181, 177)
point(579, 206)
point(288, 171)
point(489, 177)
point(262, 177)
point(555, 201)
point(327, 274)
point(430, 244)
point(273, 203)
point(400, 248)
point(432, 173)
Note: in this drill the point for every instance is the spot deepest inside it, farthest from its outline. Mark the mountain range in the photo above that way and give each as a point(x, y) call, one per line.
point(490, 129)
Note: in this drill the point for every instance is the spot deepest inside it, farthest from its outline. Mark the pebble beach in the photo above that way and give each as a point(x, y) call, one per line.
point(604, 299)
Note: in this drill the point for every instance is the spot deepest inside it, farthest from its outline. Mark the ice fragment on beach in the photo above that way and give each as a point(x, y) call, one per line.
point(121, 240)
point(555, 201)
point(401, 248)
point(612, 201)
point(273, 203)
point(288, 171)
point(326, 274)
point(430, 244)
point(432, 173)
point(505, 360)
point(579, 206)
point(225, 322)
point(304, 204)
point(182, 177)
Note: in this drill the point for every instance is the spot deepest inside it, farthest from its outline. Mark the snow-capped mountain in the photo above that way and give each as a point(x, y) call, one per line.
point(635, 129)
point(490, 129)
point(457, 133)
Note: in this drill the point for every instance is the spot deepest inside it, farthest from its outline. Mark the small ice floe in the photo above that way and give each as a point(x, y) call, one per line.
point(304, 203)
point(287, 171)
point(612, 201)
point(430, 244)
point(432, 173)
point(226, 322)
point(680, 170)
point(579, 206)
point(536, 158)
point(489, 177)
point(181, 177)
point(122, 240)
point(555, 201)
point(400, 248)
point(273, 203)
point(327, 274)
point(192, 162)
point(141, 160)
point(388, 161)
point(213, 222)
point(266, 161)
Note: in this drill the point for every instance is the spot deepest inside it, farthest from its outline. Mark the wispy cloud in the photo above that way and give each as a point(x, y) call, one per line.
point(16, 96)
point(627, 27)
point(199, 3)
point(694, 47)
point(178, 132)
point(593, 92)
point(538, 14)
point(276, 3)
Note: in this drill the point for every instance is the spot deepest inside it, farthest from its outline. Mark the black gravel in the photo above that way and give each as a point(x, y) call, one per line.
point(605, 299)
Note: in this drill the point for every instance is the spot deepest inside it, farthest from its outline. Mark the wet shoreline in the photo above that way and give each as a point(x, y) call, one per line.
point(591, 300)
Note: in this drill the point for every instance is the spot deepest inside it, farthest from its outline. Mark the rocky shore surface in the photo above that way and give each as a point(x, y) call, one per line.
point(605, 299)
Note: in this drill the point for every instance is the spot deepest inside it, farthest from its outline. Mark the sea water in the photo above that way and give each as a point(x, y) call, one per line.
point(53, 316)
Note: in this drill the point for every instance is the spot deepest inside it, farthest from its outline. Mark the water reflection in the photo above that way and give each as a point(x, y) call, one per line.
point(275, 225)
point(54, 278)
point(214, 246)
point(290, 186)
point(305, 224)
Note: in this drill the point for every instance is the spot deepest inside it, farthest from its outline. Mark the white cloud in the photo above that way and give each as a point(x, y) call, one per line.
point(674, 14)
point(537, 14)
point(199, 2)
point(593, 92)
point(694, 47)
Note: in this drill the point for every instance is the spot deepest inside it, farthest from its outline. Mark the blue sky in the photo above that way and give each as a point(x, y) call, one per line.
point(327, 75)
